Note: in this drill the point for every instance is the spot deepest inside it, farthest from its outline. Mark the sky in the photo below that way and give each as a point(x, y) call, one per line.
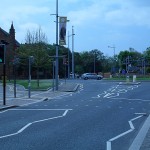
point(122, 24)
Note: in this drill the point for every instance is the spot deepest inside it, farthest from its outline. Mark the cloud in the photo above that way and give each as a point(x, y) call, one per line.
point(118, 12)
point(129, 15)
point(84, 16)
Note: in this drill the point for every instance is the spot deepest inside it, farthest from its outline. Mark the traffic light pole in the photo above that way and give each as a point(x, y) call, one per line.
point(4, 79)
point(3, 61)
point(4, 84)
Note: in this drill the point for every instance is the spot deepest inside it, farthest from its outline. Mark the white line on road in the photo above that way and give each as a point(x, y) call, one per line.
point(37, 121)
point(124, 133)
point(141, 135)
point(129, 99)
point(41, 109)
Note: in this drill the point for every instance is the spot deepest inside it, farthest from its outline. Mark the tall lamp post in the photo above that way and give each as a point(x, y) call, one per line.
point(68, 55)
point(113, 47)
point(94, 62)
point(56, 63)
point(73, 53)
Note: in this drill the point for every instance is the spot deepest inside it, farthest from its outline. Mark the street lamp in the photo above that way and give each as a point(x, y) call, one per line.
point(69, 55)
point(114, 50)
point(73, 53)
point(56, 56)
point(56, 63)
point(114, 53)
point(94, 62)
point(29, 83)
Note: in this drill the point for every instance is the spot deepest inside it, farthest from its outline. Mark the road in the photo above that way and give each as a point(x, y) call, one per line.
point(99, 116)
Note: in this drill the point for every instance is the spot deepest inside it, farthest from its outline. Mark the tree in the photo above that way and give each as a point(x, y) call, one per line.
point(131, 58)
point(36, 46)
point(92, 60)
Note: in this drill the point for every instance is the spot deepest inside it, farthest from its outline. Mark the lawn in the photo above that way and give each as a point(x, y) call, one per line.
point(43, 84)
point(138, 78)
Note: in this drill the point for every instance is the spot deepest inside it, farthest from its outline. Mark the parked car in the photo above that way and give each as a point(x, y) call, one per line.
point(87, 76)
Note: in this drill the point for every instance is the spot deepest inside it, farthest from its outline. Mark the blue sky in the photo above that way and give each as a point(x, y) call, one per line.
point(97, 23)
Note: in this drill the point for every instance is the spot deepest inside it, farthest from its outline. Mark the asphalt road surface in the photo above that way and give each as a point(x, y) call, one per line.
point(99, 116)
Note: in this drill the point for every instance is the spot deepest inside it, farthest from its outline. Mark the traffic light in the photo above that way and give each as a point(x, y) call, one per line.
point(2, 49)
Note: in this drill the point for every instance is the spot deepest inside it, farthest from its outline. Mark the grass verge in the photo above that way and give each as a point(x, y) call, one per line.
point(43, 84)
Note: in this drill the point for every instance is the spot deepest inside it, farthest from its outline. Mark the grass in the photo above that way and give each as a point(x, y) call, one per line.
point(130, 77)
point(43, 84)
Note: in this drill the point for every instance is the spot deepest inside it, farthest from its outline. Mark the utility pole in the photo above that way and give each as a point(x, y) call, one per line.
point(73, 75)
point(114, 56)
point(68, 57)
point(56, 62)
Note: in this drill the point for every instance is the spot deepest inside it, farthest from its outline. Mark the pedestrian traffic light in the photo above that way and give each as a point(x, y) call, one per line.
point(2, 49)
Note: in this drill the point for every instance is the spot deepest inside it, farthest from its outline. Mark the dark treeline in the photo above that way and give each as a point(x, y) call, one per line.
point(36, 45)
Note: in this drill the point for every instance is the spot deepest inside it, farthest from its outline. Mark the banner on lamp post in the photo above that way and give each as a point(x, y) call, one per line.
point(62, 30)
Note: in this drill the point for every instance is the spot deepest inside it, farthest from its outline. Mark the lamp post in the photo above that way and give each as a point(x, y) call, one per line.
point(94, 62)
point(56, 62)
point(114, 53)
point(73, 53)
point(68, 56)
point(29, 83)
point(114, 50)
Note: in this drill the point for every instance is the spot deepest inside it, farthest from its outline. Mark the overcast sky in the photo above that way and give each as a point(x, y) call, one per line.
point(97, 23)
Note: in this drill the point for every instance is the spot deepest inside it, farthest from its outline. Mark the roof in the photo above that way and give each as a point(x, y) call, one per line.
point(7, 34)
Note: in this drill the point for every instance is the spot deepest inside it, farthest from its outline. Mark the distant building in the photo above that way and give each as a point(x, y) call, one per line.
point(10, 49)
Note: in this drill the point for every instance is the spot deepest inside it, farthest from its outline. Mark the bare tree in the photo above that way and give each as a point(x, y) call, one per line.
point(36, 46)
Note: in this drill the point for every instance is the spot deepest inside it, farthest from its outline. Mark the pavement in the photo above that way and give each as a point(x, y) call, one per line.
point(22, 95)
point(141, 141)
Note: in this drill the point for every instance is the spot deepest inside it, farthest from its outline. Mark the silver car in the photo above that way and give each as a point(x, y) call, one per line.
point(87, 76)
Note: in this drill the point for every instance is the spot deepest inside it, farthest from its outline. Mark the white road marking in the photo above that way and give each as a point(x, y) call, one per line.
point(124, 133)
point(115, 91)
point(3, 111)
point(141, 135)
point(129, 99)
point(144, 114)
point(37, 121)
point(41, 109)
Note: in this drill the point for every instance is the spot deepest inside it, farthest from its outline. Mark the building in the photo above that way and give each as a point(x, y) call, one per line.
point(12, 44)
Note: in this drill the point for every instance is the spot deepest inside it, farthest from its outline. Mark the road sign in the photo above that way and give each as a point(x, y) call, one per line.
point(2, 49)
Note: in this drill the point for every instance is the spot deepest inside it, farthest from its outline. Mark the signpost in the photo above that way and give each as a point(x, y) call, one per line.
point(2, 60)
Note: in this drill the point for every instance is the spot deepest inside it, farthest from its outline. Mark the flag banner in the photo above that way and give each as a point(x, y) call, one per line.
point(62, 30)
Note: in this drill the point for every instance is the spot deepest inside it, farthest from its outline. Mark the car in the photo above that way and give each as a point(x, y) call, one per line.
point(87, 76)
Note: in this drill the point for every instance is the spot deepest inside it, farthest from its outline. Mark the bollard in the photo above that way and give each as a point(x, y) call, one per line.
point(134, 78)
point(127, 79)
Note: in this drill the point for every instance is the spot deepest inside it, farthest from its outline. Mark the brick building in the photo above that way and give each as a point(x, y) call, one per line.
point(10, 50)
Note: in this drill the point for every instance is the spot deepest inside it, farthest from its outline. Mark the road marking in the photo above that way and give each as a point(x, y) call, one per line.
point(3, 111)
point(136, 145)
point(37, 121)
point(129, 99)
point(144, 114)
point(124, 133)
point(115, 91)
point(41, 109)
